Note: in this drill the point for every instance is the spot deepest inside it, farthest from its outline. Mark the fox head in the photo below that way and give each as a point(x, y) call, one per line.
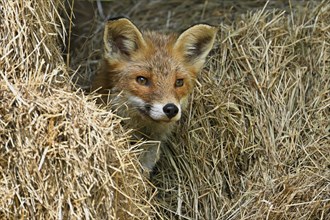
point(152, 72)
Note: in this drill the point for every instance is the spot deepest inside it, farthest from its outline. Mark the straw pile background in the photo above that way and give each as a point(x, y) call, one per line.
point(61, 156)
point(254, 144)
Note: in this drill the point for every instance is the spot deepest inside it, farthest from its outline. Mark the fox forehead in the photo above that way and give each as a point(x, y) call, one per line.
point(159, 57)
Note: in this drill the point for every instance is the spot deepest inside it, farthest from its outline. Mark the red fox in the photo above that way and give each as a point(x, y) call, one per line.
point(149, 76)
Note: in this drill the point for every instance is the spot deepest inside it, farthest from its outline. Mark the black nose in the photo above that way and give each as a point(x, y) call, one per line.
point(170, 110)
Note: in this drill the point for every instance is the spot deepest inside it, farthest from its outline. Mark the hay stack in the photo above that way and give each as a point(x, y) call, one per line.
point(255, 143)
point(61, 157)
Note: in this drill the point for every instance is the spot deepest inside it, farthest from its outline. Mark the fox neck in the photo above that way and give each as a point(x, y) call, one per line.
point(146, 128)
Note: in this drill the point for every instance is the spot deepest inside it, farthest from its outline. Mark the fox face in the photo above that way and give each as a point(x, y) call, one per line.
point(154, 83)
point(152, 73)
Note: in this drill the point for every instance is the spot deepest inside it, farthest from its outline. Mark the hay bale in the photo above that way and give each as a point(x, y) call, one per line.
point(62, 157)
point(255, 143)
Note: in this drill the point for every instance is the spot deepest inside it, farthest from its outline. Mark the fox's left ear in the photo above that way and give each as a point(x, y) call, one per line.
point(195, 43)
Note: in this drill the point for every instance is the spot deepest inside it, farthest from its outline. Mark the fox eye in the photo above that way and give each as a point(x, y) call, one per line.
point(179, 83)
point(142, 80)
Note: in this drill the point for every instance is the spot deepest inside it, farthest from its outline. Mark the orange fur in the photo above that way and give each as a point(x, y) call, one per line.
point(149, 76)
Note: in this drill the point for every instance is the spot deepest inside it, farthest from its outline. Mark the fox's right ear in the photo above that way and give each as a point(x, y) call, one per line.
point(121, 38)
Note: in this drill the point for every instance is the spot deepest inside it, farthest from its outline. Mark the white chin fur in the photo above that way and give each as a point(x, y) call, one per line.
point(156, 110)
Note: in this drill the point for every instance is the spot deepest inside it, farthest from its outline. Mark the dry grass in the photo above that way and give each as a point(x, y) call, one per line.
point(256, 141)
point(254, 144)
point(61, 156)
